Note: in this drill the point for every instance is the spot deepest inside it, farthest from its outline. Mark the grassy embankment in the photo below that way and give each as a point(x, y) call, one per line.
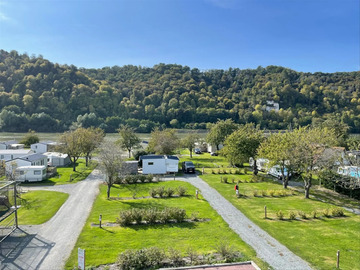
point(315, 240)
point(39, 206)
point(103, 245)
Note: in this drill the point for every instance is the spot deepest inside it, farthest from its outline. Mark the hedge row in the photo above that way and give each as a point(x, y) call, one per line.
point(136, 178)
point(334, 212)
point(167, 192)
point(154, 258)
point(151, 216)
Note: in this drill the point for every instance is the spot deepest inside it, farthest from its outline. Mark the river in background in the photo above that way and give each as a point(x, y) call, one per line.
point(7, 136)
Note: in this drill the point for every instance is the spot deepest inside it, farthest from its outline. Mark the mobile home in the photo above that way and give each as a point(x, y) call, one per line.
point(30, 173)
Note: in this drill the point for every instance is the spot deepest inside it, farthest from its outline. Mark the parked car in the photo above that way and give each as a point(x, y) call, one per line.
point(276, 172)
point(197, 151)
point(188, 167)
point(213, 154)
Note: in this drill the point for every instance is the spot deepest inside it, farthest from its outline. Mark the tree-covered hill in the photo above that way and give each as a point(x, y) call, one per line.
point(43, 96)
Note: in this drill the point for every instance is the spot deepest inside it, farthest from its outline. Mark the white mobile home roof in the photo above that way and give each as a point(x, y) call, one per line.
point(15, 152)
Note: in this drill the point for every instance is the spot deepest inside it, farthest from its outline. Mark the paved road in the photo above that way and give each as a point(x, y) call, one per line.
point(48, 246)
point(266, 247)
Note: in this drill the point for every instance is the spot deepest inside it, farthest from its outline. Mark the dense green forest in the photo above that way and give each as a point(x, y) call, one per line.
point(40, 95)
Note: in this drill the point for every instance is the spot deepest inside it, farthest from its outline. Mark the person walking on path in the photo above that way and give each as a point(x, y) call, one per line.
point(237, 190)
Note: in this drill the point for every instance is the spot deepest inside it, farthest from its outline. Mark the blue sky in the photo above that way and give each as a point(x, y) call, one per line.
point(304, 35)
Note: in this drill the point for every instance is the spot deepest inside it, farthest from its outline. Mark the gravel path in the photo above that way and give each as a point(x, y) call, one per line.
point(51, 243)
point(267, 248)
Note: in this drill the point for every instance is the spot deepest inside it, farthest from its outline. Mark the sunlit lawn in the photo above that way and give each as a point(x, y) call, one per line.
point(104, 245)
point(315, 240)
point(39, 206)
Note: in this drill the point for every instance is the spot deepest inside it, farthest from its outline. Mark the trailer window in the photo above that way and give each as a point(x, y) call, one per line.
point(150, 163)
point(37, 172)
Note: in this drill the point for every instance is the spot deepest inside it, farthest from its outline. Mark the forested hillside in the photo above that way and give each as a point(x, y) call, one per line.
point(39, 95)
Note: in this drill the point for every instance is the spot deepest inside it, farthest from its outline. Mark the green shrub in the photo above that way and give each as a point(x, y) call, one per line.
point(271, 193)
point(150, 215)
point(233, 180)
point(178, 214)
point(137, 215)
point(337, 212)
point(141, 259)
point(263, 193)
point(226, 251)
point(230, 171)
point(169, 191)
point(182, 191)
point(219, 171)
point(326, 212)
point(212, 171)
point(246, 171)
point(302, 214)
point(125, 218)
point(194, 216)
point(175, 257)
point(237, 171)
point(161, 191)
point(224, 171)
point(165, 215)
point(292, 215)
point(225, 179)
point(280, 215)
point(255, 193)
point(149, 178)
point(142, 178)
point(153, 192)
point(314, 214)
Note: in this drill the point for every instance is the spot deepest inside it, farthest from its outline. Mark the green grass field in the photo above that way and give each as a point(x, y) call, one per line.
point(103, 245)
point(315, 240)
point(39, 206)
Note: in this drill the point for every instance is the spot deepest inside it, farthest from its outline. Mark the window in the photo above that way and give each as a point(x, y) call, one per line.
point(42, 162)
point(44, 171)
point(150, 163)
point(22, 172)
point(2, 156)
point(37, 172)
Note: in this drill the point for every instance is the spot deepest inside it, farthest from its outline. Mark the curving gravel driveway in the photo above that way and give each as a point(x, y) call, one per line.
point(47, 246)
point(267, 248)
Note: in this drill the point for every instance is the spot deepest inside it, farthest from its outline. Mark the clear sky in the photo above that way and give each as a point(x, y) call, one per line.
point(304, 35)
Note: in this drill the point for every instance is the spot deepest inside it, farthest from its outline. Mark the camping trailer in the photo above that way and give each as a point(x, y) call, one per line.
point(30, 173)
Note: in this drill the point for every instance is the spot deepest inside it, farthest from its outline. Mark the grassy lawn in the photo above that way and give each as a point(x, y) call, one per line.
point(64, 174)
point(204, 160)
point(315, 240)
point(103, 245)
point(39, 206)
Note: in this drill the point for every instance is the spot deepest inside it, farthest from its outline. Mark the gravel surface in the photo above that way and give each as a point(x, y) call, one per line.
point(267, 248)
point(49, 245)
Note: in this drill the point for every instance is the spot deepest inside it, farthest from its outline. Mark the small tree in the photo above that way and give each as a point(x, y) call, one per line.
point(71, 145)
point(111, 163)
point(90, 139)
point(310, 145)
point(128, 140)
point(163, 142)
point(189, 142)
point(242, 144)
point(279, 150)
point(30, 138)
point(220, 131)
